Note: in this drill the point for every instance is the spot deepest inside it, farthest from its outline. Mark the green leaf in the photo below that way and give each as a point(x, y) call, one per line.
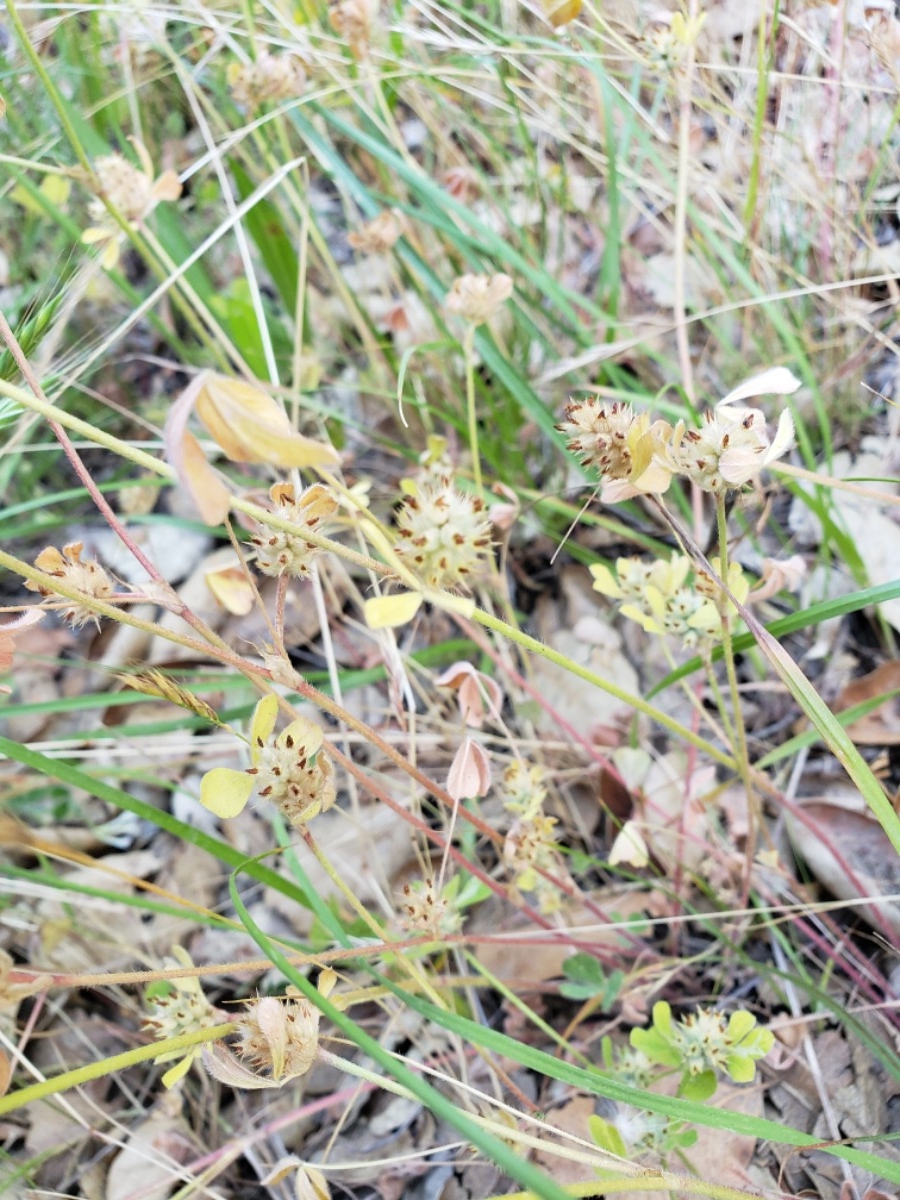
point(654, 1045)
point(699, 1087)
point(606, 1136)
point(601, 1083)
point(584, 968)
point(741, 1068)
point(739, 1025)
point(265, 225)
point(662, 1019)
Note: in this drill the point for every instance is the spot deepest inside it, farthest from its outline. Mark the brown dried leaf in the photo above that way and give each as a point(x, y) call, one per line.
point(881, 727)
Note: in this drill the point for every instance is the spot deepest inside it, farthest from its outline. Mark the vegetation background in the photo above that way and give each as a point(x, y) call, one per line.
point(346, 747)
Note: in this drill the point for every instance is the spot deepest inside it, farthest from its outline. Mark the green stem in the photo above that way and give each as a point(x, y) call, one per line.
point(454, 604)
point(50, 87)
point(106, 1066)
point(605, 685)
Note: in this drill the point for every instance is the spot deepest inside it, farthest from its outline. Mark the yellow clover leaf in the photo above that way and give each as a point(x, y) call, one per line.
point(225, 791)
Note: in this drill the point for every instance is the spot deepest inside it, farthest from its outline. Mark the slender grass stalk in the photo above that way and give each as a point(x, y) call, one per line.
point(108, 1066)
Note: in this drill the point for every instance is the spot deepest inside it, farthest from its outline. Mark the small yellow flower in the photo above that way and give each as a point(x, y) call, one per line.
point(525, 790)
point(660, 597)
point(287, 769)
point(183, 1009)
point(529, 850)
point(672, 36)
point(132, 191)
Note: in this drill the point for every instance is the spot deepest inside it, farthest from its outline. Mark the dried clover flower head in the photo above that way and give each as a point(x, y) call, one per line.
point(130, 189)
point(627, 450)
point(269, 79)
point(183, 1010)
point(87, 577)
point(353, 20)
point(281, 553)
point(288, 768)
point(443, 533)
point(529, 849)
point(292, 773)
point(476, 298)
point(380, 234)
point(280, 1037)
point(731, 448)
point(428, 910)
point(733, 445)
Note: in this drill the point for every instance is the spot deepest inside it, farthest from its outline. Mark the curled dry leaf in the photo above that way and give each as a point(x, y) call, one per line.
point(251, 427)
point(246, 423)
point(232, 589)
point(470, 772)
point(9, 631)
point(478, 695)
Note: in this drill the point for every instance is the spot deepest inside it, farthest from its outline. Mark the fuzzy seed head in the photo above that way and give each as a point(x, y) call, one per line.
point(598, 433)
point(730, 449)
point(380, 234)
point(443, 534)
point(477, 298)
point(184, 1010)
point(87, 577)
point(295, 777)
point(354, 20)
point(427, 911)
point(282, 553)
point(280, 1038)
point(269, 79)
point(124, 185)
